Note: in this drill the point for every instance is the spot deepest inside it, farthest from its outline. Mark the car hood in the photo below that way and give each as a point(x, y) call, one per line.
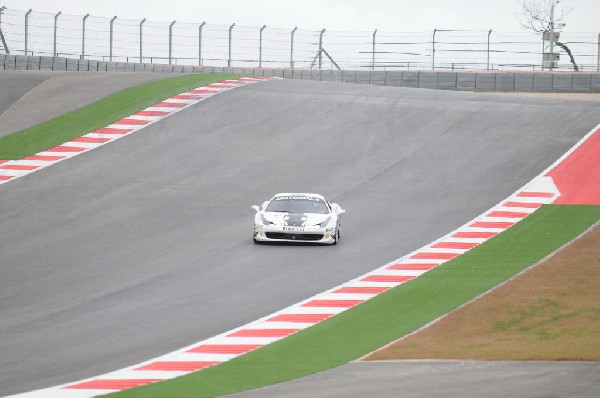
point(296, 219)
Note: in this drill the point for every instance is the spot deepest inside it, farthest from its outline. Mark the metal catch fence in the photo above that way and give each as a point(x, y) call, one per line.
point(125, 40)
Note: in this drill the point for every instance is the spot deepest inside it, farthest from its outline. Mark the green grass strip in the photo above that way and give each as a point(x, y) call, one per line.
point(390, 315)
point(99, 114)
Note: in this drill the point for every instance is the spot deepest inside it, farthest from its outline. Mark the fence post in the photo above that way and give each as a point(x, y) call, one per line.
point(141, 31)
point(2, 34)
point(229, 56)
point(552, 38)
point(373, 53)
point(55, 26)
point(260, 46)
point(200, 42)
point(488, 50)
point(433, 50)
point(171, 41)
point(292, 47)
point(27, 29)
point(321, 47)
point(83, 36)
point(110, 55)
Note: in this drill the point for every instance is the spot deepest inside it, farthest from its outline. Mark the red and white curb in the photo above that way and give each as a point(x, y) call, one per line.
point(541, 190)
point(11, 170)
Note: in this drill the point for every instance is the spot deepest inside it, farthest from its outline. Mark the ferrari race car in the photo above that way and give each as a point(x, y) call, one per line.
point(297, 217)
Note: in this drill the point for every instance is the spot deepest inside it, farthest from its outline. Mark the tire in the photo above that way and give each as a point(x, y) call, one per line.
point(337, 237)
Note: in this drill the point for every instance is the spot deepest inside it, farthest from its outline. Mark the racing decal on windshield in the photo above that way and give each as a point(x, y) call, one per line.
point(298, 198)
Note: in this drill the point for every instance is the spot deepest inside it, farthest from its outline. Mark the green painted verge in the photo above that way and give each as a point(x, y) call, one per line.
point(390, 315)
point(99, 114)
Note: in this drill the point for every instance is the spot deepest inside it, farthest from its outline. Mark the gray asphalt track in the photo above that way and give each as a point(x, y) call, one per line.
point(31, 97)
point(444, 379)
point(143, 246)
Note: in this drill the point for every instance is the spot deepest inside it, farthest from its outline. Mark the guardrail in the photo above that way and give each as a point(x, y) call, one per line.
point(563, 82)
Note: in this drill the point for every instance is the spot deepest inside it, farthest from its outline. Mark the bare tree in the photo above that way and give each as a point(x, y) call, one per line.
point(537, 17)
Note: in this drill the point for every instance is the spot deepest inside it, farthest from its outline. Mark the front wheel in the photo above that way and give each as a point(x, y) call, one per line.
point(337, 237)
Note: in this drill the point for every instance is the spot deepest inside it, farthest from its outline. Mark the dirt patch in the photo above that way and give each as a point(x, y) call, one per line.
point(550, 312)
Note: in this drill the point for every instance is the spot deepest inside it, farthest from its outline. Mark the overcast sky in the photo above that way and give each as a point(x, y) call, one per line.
point(345, 15)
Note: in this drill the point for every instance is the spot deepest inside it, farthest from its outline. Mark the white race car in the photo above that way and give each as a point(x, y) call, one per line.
point(297, 217)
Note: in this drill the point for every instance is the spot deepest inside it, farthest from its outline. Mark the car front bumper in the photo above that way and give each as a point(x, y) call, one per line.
point(275, 233)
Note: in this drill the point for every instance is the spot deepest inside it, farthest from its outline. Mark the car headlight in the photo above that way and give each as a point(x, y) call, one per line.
point(264, 220)
point(324, 223)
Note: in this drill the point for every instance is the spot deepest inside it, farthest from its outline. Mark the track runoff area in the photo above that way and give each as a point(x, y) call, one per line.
point(573, 179)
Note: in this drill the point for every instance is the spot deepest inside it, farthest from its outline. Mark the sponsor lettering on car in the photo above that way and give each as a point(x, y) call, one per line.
point(297, 198)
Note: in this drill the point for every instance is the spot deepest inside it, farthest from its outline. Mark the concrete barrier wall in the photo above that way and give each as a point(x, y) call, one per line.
point(582, 82)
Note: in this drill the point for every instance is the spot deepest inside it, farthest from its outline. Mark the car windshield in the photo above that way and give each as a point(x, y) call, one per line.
point(298, 204)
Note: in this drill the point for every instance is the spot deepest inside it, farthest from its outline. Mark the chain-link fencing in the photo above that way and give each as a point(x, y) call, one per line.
point(125, 40)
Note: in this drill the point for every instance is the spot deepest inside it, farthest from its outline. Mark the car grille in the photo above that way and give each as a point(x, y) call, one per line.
point(299, 237)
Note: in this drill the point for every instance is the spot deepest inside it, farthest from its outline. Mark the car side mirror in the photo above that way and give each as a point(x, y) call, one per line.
point(256, 208)
point(337, 209)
